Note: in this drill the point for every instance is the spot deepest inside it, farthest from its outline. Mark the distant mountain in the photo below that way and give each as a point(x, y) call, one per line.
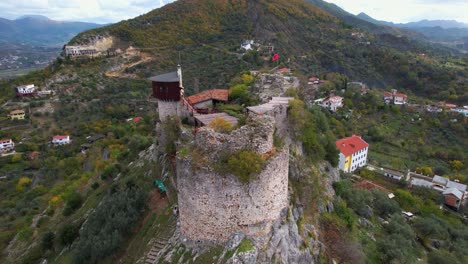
point(449, 32)
point(420, 24)
point(40, 30)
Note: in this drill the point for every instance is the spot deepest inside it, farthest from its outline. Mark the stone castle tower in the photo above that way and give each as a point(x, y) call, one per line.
point(214, 206)
point(169, 90)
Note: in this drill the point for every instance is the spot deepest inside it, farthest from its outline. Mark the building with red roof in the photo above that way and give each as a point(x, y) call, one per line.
point(283, 70)
point(208, 99)
point(61, 139)
point(395, 98)
point(6, 145)
point(333, 102)
point(353, 153)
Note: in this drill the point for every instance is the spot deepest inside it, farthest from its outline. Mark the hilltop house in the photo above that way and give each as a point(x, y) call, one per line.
point(453, 197)
point(25, 90)
point(207, 100)
point(332, 102)
point(17, 115)
point(75, 51)
point(247, 45)
point(6, 145)
point(441, 184)
point(61, 140)
point(353, 153)
point(460, 110)
point(393, 174)
point(283, 71)
point(314, 80)
point(395, 98)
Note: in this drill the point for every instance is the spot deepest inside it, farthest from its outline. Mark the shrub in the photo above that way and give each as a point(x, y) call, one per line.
point(220, 125)
point(238, 91)
point(67, 234)
point(245, 164)
point(47, 240)
point(73, 202)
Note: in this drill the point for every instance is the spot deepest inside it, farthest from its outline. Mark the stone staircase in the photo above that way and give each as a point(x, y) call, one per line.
point(159, 242)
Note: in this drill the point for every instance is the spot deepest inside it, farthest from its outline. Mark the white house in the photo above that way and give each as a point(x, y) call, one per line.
point(332, 102)
point(61, 140)
point(25, 90)
point(396, 98)
point(6, 145)
point(247, 45)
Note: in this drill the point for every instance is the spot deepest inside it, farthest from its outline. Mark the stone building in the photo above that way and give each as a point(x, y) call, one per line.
point(169, 91)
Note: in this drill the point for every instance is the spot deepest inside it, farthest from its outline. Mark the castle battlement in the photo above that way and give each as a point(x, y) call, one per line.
point(213, 205)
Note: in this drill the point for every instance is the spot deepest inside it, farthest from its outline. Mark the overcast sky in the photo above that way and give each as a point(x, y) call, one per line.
point(109, 11)
point(403, 11)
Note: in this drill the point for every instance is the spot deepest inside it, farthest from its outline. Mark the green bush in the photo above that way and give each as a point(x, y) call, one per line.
point(245, 164)
point(73, 202)
point(47, 240)
point(67, 234)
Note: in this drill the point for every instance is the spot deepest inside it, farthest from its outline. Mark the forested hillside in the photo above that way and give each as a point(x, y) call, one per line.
point(307, 38)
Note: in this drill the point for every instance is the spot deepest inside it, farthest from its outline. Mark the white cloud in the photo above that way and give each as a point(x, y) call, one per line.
point(107, 11)
point(99, 11)
point(402, 11)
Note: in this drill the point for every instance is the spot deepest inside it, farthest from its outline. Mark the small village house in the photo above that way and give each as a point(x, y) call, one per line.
point(25, 90)
point(6, 145)
point(207, 100)
point(453, 197)
point(314, 80)
point(17, 115)
point(333, 102)
point(395, 97)
point(441, 184)
point(353, 153)
point(61, 140)
point(393, 174)
point(283, 71)
point(247, 45)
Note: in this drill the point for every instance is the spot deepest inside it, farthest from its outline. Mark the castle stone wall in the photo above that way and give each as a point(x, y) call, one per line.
point(170, 108)
point(212, 207)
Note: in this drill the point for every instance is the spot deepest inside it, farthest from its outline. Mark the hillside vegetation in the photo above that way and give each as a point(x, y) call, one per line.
point(207, 34)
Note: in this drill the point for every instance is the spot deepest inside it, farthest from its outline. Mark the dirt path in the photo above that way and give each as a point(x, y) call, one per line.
point(118, 73)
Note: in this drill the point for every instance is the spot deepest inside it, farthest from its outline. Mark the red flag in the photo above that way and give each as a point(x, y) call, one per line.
point(275, 57)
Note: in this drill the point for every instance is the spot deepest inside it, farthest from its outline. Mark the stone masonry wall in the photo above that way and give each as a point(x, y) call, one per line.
point(258, 137)
point(166, 109)
point(212, 207)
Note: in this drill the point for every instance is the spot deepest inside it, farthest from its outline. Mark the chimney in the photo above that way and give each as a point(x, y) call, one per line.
point(179, 74)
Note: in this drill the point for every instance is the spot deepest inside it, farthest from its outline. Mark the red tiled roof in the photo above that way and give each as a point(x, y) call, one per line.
point(14, 112)
point(450, 105)
point(401, 95)
point(350, 145)
point(214, 94)
point(313, 79)
point(5, 140)
point(283, 70)
point(387, 94)
point(60, 137)
point(137, 119)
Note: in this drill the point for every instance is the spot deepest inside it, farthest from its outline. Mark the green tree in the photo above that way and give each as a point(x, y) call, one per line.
point(47, 240)
point(67, 234)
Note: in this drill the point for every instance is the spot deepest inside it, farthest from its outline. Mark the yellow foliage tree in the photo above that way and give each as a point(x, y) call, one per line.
point(55, 201)
point(220, 125)
point(22, 182)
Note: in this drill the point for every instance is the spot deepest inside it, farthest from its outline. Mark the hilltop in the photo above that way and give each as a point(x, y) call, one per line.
point(309, 37)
